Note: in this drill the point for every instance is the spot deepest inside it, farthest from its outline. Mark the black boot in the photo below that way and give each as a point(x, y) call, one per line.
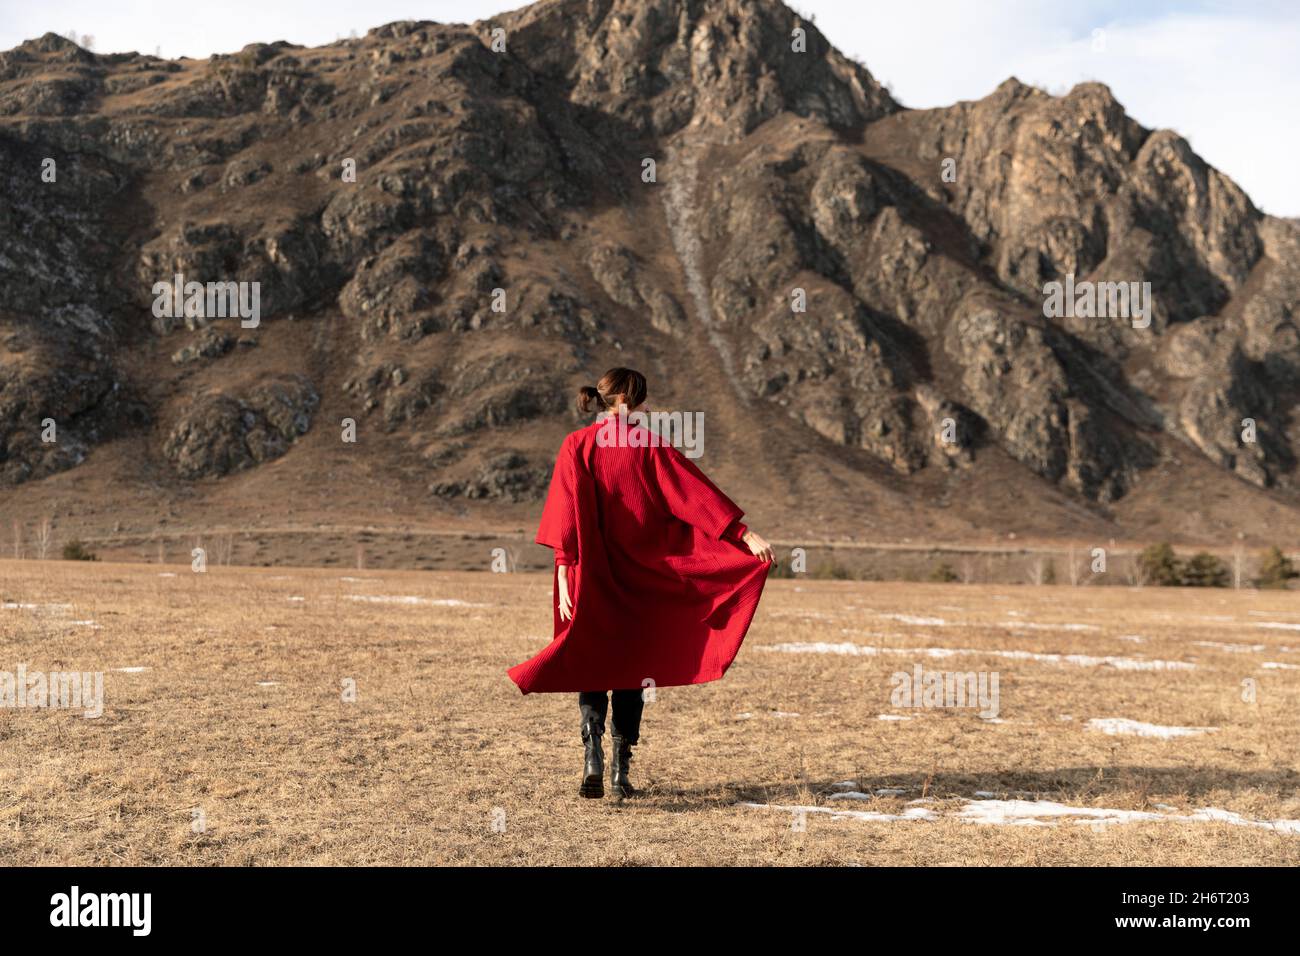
point(618, 769)
point(593, 771)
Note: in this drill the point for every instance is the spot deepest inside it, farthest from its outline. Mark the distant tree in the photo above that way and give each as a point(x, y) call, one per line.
point(1158, 565)
point(1204, 570)
point(1275, 570)
point(44, 535)
point(76, 550)
point(967, 569)
point(832, 570)
point(943, 573)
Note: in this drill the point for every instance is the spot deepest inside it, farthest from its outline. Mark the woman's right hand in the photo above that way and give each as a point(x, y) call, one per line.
point(566, 605)
point(759, 547)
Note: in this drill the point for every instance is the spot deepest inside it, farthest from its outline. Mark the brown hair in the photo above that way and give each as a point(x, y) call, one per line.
point(625, 382)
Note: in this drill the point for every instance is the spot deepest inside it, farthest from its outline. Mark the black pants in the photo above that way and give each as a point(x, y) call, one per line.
point(627, 712)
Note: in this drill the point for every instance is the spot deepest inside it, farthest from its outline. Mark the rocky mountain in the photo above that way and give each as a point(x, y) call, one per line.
point(451, 227)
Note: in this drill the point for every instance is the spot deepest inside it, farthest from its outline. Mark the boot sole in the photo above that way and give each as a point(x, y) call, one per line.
point(593, 788)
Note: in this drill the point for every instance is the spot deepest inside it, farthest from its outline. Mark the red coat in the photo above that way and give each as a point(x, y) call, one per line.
point(662, 589)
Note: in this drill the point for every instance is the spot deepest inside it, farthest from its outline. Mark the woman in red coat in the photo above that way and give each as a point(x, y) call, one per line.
point(656, 577)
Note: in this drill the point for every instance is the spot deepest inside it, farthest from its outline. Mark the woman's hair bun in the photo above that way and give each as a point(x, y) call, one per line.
point(618, 386)
point(587, 395)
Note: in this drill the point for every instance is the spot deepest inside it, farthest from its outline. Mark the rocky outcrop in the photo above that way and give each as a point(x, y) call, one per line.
point(505, 475)
point(389, 389)
point(220, 433)
point(209, 344)
point(623, 277)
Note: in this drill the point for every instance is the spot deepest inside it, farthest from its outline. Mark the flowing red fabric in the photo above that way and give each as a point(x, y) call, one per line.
point(661, 594)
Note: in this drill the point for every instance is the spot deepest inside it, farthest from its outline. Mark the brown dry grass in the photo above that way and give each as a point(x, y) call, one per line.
point(440, 742)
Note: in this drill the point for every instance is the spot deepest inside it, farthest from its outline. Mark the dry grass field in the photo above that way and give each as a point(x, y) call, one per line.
point(225, 737)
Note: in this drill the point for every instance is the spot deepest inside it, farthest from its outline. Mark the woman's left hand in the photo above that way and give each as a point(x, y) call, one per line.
point(759, 547)
point(566, 605)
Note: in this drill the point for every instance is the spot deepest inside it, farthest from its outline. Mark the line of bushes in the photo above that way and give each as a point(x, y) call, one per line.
point(76, 550)
point(1158, 565)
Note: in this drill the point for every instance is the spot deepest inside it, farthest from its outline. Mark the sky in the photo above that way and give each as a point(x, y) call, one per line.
point(1226, 75)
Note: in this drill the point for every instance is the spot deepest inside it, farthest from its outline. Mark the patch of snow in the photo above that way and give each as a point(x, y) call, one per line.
point(131, 670)
point(858, 795)
point(990, 794)
point(1275, 666)
point(1136, 728)
point(919, 621)
point(1236, 819)
point(1234, 648)
point(1081, 660)
point(1038, 812)
point(822, 647)
point(915, 813)
point(1035, 626)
